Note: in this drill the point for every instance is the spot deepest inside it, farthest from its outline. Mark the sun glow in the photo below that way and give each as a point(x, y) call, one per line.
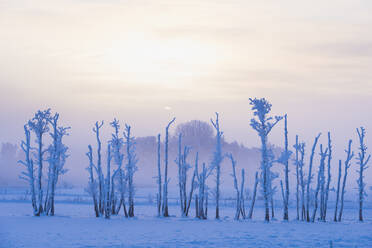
point(167, 61)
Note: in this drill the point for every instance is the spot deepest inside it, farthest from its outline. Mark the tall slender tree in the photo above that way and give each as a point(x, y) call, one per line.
point(309, 178)
point(159, 177)
point(28, 162)
point(263, 125)
point(250, 214)
point(217, 160)
point(284, 160)
point(40, 125)
point(325, 207)
point(320, 183)
point(349, 156)
point(165, 212)
point(96, 130)
point(338, 190)
point(131, 167)
point(362, 161)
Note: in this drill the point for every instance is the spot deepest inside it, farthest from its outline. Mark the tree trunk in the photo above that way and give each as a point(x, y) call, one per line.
point(338, 190)
point(309, 179)
point(253, 197)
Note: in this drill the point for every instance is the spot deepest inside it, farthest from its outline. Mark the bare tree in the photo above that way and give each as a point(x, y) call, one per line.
point(362, 161)
point(183, 168)
point(107, 184)
point(239, 196)
point(166, 180)
point(57, 158)
point(302, 181)
point(309, 178)
point(116, 144)
point(286, 170)
point(101, 182)
point(338, 190)
point(325, 204)
point(349, 156)
point(202, 196)
point(297, 162)
point(92, 182)
point(216, 163)
point(320, 183)
point(253, 197)
point(263, 125)
point(284, 159)
point(39, 125)
point(159, 177)
point(131, 167)
point(29, 164)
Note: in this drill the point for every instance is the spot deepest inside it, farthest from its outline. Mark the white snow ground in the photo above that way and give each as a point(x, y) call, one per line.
point(76, 226)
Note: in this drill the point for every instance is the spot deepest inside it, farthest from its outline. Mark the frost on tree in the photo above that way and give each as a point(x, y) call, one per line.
point(250, 214)
point(164, 207)
point(326, 194)
point(347, 164)
point(216, 162)
point(240, 209)
point(309, 178)
point(117, 144)
point(362, 161)
point(263, 124)
point(201, 199)
point(55, 154)
point(300, 188)
point(320, 181)
point(158, 178)
point(284, 159)
point(131, 166)
point(183, 168)
point(107, 198)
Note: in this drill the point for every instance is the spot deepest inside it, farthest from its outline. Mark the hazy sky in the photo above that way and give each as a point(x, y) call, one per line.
point(147, 61)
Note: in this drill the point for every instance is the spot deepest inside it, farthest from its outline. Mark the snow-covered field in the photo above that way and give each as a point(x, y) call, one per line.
point(76, 226)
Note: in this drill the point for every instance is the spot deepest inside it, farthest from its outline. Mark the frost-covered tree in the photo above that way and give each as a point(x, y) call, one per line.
point(309, 178)
point(131, 167)
point(296, 160)
point(302, 180)
point(263, 124)
point(39, 124)
point(284, 159)
point(250, 214)
point(201, 199)
point(28, 162)
point(338, 190)
point(159, 177)
point(347, 164)
point(92, 185)
point(320, 181)
point(362, 161)
point(164, 207)
point(217, 160)
point(107, 184)
point(183, 168)
point(57, 155)
point(239, 192)
point(116, 144)
point(96, 130)
point(325, 202)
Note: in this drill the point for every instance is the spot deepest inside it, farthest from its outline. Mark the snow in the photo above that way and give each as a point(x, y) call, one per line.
point(75, 226)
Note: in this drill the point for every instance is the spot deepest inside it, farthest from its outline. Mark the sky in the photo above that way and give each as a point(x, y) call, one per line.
point(144, 62)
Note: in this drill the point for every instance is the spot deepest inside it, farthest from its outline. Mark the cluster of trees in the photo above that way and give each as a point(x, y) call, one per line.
point(54, 153)
point(116, 189)
point(107, 198)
